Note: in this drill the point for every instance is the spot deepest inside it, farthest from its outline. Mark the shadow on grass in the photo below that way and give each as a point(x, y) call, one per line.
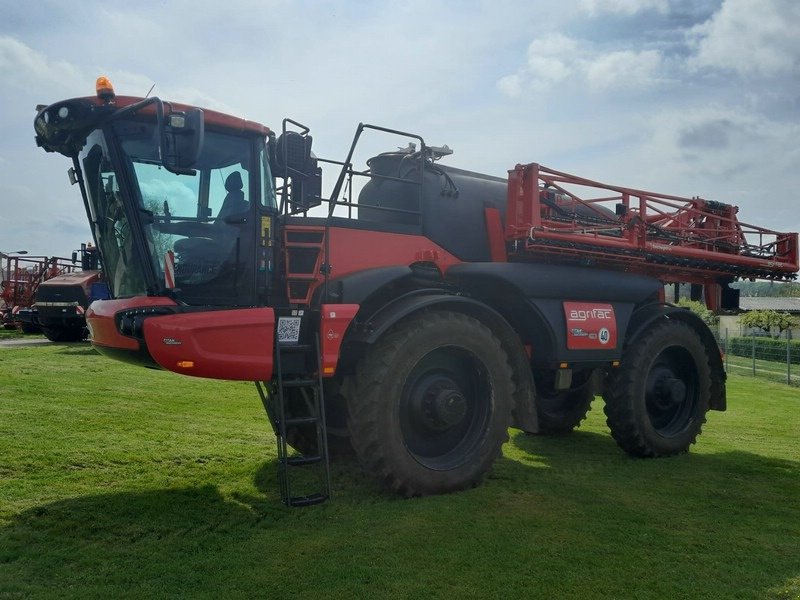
point(108, 543)
point(75, 349)
point(561, 517)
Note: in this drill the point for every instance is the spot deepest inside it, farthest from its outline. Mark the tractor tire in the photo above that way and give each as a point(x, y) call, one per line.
point(303, 438)
point(656, 401)
point(432, 404)
point(63, 334)
point(559, 412)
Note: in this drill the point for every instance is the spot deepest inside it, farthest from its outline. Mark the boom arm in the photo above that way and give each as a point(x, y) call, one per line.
point(672, 238)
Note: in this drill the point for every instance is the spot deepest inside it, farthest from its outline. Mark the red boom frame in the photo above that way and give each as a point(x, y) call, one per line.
point(668, 237)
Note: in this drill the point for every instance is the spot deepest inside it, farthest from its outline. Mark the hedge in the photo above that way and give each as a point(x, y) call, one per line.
point(766, 348)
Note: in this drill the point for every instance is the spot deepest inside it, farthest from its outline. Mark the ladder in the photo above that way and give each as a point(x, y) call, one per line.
point(303, 247)
point(295, 407)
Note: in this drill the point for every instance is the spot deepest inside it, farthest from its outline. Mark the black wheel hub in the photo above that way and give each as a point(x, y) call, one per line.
point(445, 408)
point(438, 405)
point(670, 393)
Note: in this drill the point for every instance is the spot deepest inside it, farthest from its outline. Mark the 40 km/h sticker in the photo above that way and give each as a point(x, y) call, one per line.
point(590, 326)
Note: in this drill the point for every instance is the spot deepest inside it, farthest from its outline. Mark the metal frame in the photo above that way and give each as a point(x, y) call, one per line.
point(701, 240)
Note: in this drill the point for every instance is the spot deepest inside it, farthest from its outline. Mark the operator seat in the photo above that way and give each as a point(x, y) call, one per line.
point(213, 245)
point(234, 201)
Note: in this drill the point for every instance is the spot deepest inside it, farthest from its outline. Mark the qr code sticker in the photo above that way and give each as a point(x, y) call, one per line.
point(289, 329)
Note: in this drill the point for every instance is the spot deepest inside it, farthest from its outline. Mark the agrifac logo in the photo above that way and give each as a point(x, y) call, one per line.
point(590, 326)
point(594, 313)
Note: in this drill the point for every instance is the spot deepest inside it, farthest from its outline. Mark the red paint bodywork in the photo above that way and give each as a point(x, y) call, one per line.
point(102, 328)
point(334, 321)
point(354, 250)
point(212, 118)
point(232, 344)
point(235, 344)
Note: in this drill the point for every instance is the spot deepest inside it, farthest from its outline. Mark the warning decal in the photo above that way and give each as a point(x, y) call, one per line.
point(590, 326)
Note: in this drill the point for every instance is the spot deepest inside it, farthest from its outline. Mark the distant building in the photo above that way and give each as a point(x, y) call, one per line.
point(776, 303)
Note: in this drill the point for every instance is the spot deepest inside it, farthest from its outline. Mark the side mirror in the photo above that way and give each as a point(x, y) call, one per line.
point(306, 191)
point(296, 163)
point(182, 140)
point(293, 153)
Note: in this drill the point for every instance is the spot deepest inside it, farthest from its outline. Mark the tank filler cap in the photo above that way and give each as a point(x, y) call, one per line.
point(438, 152)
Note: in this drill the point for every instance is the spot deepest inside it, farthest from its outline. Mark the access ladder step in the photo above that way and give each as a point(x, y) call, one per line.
point(298, 461)
point(307, 500)
point(295, 383)
point(301, 420)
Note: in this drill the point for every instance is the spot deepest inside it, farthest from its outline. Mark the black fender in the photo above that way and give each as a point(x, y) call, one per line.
point(531, 296)
point(644, 317)
point(356, 288)
point(388, 315)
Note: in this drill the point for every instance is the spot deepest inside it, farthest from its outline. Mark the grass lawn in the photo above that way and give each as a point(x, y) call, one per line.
point(8, 334)
point(117, 482)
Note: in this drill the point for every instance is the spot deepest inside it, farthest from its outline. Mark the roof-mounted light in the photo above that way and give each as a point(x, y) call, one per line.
point(105, 91)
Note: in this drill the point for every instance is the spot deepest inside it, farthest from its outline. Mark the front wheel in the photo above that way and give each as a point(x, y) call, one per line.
point(64, 334)
point(303, 438)
point(656, 402)
point(30, 328)
point(432, 405)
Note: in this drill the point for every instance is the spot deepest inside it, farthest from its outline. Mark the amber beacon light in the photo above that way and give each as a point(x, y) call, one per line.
point(104, 88)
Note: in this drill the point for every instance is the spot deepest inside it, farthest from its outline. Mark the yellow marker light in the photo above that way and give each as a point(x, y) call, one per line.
point(329, 370)
point(185, 364)
point(563, 365)
point(614, 363)
point(104, 88)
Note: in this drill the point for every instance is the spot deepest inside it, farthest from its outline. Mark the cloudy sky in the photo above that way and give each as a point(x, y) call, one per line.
point(686, 97)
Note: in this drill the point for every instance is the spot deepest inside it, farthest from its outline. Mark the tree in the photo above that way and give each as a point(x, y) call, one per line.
point(700, 309)
point(769, 320)
point(784, 321)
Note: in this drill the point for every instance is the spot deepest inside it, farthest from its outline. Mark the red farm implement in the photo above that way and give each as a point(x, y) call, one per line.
point(691, 240)
point(22, 276)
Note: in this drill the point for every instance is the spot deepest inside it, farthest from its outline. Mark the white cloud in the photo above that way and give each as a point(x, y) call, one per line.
point(552, 59)
point(510, 85)
point(730, 155)
point(626, 68)
point(751, 37)
point(616, 90)
point(24, 67)
point(624, 7)
point(555, 59)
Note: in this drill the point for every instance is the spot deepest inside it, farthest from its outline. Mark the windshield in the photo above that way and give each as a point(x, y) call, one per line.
point(198, 230)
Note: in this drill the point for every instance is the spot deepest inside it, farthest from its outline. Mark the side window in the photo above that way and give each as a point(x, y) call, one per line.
point(228, 186)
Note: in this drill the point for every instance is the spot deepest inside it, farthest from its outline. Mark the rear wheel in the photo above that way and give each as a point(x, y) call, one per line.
point(560, 412)
point(657, 400)
point(432, 405)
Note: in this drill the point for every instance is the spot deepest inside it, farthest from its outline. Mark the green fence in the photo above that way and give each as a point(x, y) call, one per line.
point(777, 359)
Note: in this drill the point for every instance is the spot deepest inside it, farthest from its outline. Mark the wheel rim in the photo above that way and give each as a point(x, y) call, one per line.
point(445, 408)
point(671, 391)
